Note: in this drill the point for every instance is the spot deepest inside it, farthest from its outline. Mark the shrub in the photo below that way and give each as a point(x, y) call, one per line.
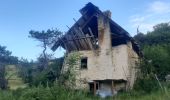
point(146, 84)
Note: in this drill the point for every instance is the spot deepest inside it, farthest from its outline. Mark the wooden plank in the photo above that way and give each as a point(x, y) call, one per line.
point(70, 44)
point(64, 45)
point(79, 33)
point(84, 41)
point(79, 43)
point(89, 19)
point(76, 44)
point(90, 42)
point(78, 38)
point(73, 42)
point(92, 39)
point(90, 31)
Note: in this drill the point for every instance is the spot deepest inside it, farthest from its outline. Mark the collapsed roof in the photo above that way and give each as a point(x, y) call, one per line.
point(83, 35)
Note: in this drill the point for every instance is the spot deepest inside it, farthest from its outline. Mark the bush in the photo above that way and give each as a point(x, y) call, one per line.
point(45, 78)
point(146, 84)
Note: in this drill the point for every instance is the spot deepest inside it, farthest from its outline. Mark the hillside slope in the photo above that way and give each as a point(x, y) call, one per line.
point(14, 81)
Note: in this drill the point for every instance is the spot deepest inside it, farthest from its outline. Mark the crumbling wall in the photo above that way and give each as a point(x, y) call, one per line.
point(120, 62)
point(104, 66)
point(133, 63)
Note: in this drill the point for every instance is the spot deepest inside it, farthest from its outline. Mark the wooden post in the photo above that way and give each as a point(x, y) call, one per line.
point(113, 87)
point(94, 87)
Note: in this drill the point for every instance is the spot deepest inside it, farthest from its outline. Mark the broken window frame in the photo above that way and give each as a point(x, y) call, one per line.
point(84, 64)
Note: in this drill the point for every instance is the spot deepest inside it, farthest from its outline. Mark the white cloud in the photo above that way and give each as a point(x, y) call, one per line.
point(138, 18)
point(159, 7)
point(155, 13)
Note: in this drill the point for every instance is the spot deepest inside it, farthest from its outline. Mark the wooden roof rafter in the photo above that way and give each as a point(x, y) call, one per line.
point(81, 41)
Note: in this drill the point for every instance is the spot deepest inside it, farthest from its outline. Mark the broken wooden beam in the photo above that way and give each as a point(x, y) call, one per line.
point(90, 42)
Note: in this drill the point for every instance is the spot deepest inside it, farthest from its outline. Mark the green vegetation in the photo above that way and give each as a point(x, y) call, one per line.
point(5, 58)
point(61, 93)
point(40, 93)
point(155, 46)
point(46, 38)
point(49, 83)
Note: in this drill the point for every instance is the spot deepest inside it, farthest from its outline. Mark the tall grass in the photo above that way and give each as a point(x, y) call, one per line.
point(45, 93)
point(61, 93)
point(157, 95)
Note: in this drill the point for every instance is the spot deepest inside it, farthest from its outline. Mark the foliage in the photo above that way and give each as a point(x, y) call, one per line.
point(26, 69)
point(156, 61)
point(45, 78)
point(68, 74)
point(48, 76)
point(156, 51)
point(5, 58)
point(57, 92)
point(41, 60)
point(159, 60)
point(46, 38)
point(66, 77)
point(33, 76)
point(56, 66)
point(160, 35)
point(146, 84)
point(3, 81)
point(13, 78)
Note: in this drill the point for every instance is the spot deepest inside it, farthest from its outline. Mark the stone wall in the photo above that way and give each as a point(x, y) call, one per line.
point(112, 65)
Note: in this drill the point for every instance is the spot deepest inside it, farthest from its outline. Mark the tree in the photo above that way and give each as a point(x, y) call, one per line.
point(140, 38)
point(156, 51)
point(157, 61)
point(26, 69)
point(3, 81)
point(46, 38)
point(160, 35)
point(156, 45)
point(5, 58)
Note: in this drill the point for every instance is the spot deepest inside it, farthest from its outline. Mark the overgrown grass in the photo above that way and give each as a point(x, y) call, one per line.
point(41, 93)
point(136, 95)
point(61, 93)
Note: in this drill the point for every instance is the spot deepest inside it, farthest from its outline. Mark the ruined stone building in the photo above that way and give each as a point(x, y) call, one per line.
point(109, 55)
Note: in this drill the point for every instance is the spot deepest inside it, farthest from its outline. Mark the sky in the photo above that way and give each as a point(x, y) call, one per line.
point(18, 17)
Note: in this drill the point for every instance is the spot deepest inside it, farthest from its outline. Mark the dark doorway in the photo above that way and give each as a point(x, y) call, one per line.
point(94, 86)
